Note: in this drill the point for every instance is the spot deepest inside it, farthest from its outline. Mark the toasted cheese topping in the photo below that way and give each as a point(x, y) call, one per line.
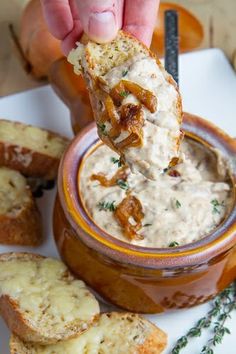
point(33, 138)
point(183, 205)
point(111, 334)
point(14, 194)
point(47, 295)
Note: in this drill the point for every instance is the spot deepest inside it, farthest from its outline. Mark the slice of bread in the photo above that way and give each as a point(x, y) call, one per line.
point(20, 220)
point(41, 301)
point(31, 150)
point(136, 103)
point(113, 333)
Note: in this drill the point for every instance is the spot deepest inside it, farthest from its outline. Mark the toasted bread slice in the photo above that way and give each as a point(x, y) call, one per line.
point(20, 220)
point(113, 333)
point(136, 103)
point(33, 151)
point(41, 301)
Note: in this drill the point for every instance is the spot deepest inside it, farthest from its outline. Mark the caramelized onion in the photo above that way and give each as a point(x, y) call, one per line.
point(174, 173)
point(121, 174)
point(128, 117)
point(112, 117)
point(131, 141)
point(131, 120)
point(124, 87)
point(174, 161)
point(130, 207)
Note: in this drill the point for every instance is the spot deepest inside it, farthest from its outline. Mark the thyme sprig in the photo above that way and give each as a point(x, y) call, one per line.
point(124, 93)
point(122, 184)
point(177, 204)
point(146, 225)
point(221, 309)
point(102, 128)
point(216, 206)
point(118, 161)
point(107, 206)
point(173, 244)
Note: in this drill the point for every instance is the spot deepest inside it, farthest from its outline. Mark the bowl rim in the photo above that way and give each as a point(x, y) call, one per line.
point(220, 240)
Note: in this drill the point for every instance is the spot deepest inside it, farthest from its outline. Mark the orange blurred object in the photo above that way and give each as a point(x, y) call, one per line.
point(40, 49)
point(191, 31)
point(72, 90)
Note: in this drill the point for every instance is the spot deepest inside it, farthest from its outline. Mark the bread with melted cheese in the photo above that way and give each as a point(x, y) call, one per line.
point(153, 131)
point(20, 220)
point(112, 333)
point(41, 301)
point(33, 151)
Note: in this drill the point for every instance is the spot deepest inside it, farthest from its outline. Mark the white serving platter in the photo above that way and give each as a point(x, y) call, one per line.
point(208, 87)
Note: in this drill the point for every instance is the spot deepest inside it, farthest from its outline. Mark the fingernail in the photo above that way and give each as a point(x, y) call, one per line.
point(102, 26)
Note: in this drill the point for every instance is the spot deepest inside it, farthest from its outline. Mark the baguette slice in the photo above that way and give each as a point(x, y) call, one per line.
point(20, 220)
point(41, 301)
point(33, 151)
point(143, 126)
point(113, 333)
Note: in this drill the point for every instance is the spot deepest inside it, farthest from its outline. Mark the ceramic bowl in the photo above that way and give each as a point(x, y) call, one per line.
point(141, 279)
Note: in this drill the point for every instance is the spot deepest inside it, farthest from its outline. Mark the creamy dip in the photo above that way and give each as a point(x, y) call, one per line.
point(177, 210)
point(161, 129)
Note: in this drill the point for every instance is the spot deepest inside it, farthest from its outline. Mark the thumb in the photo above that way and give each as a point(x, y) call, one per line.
point(101, 20)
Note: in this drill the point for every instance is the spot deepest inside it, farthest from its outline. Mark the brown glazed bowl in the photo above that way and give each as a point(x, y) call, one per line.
point(141, 279)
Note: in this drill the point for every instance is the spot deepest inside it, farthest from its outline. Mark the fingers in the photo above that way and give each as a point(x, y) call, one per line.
point(74, 36)
point(101, 20)
point(58, 16)
point(63, 22)
point(140, 18)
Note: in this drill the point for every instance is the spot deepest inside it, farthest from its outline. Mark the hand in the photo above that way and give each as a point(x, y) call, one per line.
point(99, 19)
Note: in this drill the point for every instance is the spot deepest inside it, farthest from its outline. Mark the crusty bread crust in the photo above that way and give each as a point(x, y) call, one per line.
point(29, 161)
point(17, 320)
point(23, 228)
point(22, 328)
point(17, 346)
point(9, 308)
point(20, 219)
point(40, 166)
point(20, 255)
point(155, 339)
point(155, 343)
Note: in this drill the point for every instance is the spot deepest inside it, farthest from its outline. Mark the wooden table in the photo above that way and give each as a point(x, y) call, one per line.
point(217, 16)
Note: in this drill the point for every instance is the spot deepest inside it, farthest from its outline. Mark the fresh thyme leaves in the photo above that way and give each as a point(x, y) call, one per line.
point(124, 93)
point(207, 350)
point(181, 343)
point(118, 161)
point(146, 225)
point(107, 206)
point(173, 244)
point(124, 73)
point(177, 204)
point(216, 206)
point(221, 309)
point(122, 184)
point(102, 127)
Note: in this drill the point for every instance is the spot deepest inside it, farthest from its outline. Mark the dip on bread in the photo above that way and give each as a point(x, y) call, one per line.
point(183, 205)
point(136, 103)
